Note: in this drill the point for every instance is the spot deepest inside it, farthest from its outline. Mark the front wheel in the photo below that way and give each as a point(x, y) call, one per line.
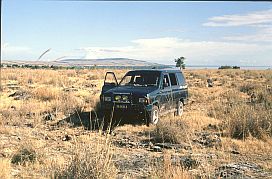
point(153, 117)
point(180, 107)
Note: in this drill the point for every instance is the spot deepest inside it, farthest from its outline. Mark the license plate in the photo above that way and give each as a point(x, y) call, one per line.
point(121, 106)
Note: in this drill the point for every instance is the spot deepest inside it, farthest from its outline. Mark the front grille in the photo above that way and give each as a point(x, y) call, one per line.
point(135, 99)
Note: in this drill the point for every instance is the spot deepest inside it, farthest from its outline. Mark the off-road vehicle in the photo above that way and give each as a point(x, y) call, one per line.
point(144, 95)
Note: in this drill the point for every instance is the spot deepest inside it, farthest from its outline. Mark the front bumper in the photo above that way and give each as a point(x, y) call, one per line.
point(127, 109)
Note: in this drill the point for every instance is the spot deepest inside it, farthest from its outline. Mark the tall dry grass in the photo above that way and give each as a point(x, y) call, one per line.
point(46, 93)
point(245, 117)
point(172, 130)
point(88, 161)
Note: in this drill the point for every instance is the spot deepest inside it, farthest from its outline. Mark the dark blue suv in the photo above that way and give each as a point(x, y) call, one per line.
point(144, 95)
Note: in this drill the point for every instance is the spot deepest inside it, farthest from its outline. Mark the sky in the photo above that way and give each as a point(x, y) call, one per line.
point(205, 33)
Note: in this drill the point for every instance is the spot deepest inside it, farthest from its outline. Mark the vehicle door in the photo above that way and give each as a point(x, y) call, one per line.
point(110, 82)
point(183, 87)
point(166, 93)
point(175, 89)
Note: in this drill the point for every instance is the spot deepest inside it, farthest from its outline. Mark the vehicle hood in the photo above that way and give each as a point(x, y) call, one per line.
point(135, 90)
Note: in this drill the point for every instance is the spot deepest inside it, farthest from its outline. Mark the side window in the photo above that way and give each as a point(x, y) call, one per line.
point(128, 79)
point(138, 79)
point(165, 81)
point(173, 79)
point(181, 79)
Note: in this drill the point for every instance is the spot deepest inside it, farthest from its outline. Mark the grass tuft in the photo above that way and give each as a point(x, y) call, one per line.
point(244, 118)
point(88, 161)
point(173, 131)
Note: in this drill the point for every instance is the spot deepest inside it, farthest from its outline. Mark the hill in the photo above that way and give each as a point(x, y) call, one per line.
point(106, 62)
point(88, 62)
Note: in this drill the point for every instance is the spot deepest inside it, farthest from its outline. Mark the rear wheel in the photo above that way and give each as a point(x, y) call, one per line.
point(180, 108)
point(153, 117)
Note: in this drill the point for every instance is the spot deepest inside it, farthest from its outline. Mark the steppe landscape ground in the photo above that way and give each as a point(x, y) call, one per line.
point(45, 128)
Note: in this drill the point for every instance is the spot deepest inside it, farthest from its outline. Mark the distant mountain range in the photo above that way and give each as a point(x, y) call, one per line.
point(106, 62)
point(89, 62)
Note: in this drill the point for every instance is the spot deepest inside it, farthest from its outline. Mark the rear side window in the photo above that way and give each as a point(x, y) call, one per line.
point(181, 79)
point(166, 81)
point(173, 79)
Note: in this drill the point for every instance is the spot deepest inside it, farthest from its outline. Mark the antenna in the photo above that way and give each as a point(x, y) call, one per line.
point(43, 54)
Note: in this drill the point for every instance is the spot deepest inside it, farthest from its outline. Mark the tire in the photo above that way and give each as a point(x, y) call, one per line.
point(154, 116)
point(180, 107)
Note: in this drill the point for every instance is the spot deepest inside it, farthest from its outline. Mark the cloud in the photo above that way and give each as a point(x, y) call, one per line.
point(261, 21)
point(161, 50)
point(15, 52)
point(11, 52)
point(165, 50)
point(262, 35)
point(8, 48)
point(258, 18)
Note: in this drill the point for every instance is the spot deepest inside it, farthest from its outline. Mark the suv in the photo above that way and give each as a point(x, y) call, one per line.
point(144, 95)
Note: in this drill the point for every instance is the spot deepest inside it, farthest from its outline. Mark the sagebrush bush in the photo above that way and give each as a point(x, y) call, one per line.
point(264, 97)
point(173, 131)
point(248, 88)
point(23, 155)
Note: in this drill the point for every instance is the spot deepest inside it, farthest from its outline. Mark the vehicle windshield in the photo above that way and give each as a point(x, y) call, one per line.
point(141, 79)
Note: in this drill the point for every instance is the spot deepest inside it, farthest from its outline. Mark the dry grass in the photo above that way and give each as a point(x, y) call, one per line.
point(173, 131)
point(245, 121)
point(234, 107)
point(245, 117)
point(5, 168)
point(46, 94)
point(168, 170)
point(88, 161)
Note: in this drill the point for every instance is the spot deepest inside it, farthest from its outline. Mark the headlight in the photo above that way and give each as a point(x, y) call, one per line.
point(107, 98)
point(117, 98)
point(142, 100)
point(125, 98)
